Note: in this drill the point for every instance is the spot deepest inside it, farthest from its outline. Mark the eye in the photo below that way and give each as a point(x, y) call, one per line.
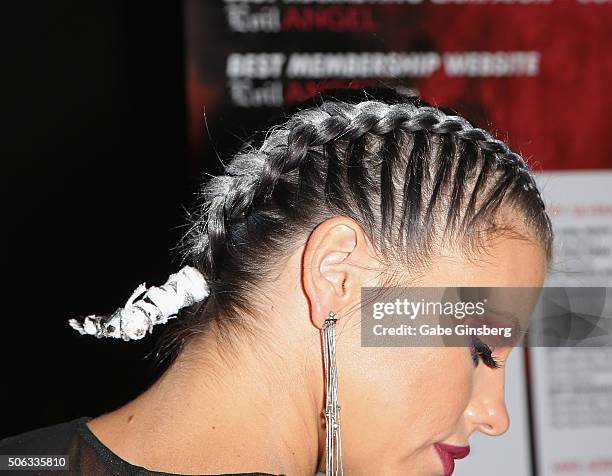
point(481, 351)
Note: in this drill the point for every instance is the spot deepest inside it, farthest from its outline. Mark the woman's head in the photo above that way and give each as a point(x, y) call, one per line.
point(370, 190)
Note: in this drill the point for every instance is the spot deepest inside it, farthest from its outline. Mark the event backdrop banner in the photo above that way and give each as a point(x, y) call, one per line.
point(535, 71)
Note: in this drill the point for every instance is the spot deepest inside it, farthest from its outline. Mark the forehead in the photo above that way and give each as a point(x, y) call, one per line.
point(509, 262)
point(506, 262)
point(503, 261)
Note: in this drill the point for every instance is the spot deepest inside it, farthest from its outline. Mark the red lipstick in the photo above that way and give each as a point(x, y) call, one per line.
point(448, 454)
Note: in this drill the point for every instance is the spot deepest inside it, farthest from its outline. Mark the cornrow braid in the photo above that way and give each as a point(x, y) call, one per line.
point(411, 174)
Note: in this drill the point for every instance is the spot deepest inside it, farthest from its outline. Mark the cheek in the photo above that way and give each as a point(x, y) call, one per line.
point(450, 384)
point(404, 399)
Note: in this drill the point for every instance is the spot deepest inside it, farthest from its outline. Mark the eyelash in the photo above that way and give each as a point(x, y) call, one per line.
point(481, 351)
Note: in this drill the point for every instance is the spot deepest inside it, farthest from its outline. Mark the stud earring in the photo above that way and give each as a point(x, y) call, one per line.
point(333, 444)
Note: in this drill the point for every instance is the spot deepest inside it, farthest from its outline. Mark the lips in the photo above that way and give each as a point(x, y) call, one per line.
point(448, 454)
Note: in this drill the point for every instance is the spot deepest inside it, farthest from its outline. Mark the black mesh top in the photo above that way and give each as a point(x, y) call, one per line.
point(87, 455)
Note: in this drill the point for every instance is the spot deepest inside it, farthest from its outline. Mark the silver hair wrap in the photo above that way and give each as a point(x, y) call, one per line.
point(148, 307)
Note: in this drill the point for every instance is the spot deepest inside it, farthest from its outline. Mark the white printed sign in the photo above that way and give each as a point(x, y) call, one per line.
point(572, 387)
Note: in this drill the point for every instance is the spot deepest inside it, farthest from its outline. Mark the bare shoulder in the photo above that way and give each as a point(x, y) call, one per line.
point(110, 428)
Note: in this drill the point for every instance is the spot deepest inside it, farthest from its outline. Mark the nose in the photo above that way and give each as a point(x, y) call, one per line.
point(486, 411)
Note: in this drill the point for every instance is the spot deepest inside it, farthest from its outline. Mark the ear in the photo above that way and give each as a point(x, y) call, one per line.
point(329, 279)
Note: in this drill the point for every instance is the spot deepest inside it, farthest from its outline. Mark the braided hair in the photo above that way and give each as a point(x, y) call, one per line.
point(412, 175)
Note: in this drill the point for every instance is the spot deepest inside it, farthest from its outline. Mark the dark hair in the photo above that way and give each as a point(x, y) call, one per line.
point(412, 175)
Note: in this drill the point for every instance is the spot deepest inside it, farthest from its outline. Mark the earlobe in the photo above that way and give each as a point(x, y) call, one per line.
point(326, 272)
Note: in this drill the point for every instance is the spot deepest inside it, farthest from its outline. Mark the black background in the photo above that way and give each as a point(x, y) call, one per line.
point(96, 175)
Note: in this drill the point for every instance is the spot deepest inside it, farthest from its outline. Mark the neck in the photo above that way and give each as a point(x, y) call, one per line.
point(241, 411)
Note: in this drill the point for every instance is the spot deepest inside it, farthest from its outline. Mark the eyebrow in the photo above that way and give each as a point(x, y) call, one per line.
point(511, 318)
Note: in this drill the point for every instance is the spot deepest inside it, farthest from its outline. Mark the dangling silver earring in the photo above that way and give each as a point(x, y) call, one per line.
point(333, 444)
